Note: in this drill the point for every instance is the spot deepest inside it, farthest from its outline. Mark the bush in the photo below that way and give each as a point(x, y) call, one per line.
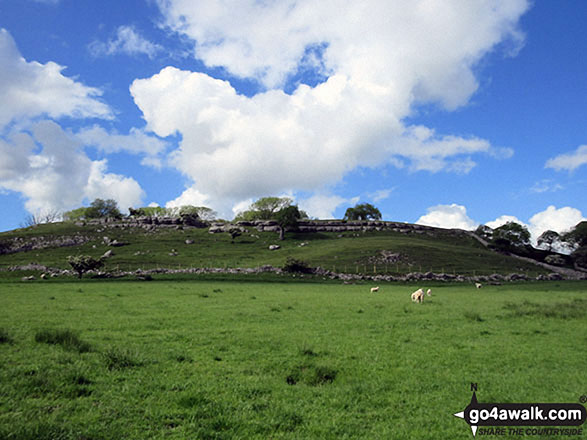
point(83, 263)
point(293, 265)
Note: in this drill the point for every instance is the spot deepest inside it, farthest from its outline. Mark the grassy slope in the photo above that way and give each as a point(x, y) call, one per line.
point(229, 360)
point(348, 252)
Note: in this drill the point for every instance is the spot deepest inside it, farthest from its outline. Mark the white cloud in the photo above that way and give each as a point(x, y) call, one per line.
point(136, 142)
point(504, 219)
point(322, 206)
point(125, 190)
point(49, 168)
point(128, 41)
point(381, 194)
point(546, 185)
point(448, 216)
point(569, 161)
point(380, 58)
point(30, 89)
point(558, 220)
point(190, 196)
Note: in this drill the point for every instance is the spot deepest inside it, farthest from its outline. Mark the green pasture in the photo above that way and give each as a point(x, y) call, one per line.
point(349, 252)
point(227, 360)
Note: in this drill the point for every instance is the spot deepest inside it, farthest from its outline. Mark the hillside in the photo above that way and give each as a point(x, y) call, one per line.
point(358, 248)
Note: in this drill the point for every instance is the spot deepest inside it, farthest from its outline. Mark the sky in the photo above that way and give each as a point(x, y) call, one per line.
point(451, 114)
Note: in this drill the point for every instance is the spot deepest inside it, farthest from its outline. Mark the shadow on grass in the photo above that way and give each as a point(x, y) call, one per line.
point(572, 310)
point(67, 338)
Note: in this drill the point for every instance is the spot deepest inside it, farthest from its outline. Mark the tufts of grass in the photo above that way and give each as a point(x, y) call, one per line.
point(67, 338)
point(473, 316)
point(119, 358)
point(575, 309)
point(311, 375)
point(308, 351)
point(5, 337)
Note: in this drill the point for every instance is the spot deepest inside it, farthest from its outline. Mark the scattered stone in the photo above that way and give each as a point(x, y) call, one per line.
point(189, 241)
point(108, 254)
point(274, 247)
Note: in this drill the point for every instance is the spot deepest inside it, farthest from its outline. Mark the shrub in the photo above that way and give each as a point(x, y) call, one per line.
point(84, 263)
point(293, 265)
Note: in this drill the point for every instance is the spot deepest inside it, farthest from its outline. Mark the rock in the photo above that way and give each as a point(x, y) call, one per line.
point(29, 278)
point(189, 241)
point(274, 247)
point(555, 259)
point(107, 254)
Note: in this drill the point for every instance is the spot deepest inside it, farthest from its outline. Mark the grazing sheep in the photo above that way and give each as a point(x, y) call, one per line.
point(418, 296)
point(374, 289)
point(478, 285)
point(429, 292)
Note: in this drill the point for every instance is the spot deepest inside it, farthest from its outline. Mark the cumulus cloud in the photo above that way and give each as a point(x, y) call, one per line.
point(504, 219)
point(128, 41)
point(558, 220)
point(31, 89)
point(376, 60)
point(322, 206)
point(448, 216)
point(136, 142)
point(190, 196)
point(569, 161)
point(48, 167)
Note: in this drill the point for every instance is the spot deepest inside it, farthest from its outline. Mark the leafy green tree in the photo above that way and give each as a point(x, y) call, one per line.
point(75, 214)
point(548, 239)
point(234, 231)
point(264, 209)
point(577, 238)
point(511, 235)
point(100, 208)
point(363, 211)
point(84, 263)
point(287, 219)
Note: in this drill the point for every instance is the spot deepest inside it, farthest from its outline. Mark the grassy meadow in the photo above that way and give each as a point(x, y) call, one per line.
point(250, 360)
point(348, 252)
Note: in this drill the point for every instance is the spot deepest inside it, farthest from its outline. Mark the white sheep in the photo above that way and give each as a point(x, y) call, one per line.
point(374, 289)
point(418, 296)
point(478, 285)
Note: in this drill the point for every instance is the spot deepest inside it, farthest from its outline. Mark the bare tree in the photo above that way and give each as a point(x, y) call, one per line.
point(49, 216)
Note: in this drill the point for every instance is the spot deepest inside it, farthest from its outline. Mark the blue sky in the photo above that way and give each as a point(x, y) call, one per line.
point(445, 113)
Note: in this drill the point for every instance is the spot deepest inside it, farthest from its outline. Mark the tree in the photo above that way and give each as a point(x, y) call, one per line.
point(548, 239)
point(103, 209)
point(287, 219)
point(577, 239)
point(484, 232)
point(37, 219)
point(577, 236)
point(83, 263)
point(75, 214)
point(363, 211)
point(511, 235)
point(234, 232)
point(264, 209)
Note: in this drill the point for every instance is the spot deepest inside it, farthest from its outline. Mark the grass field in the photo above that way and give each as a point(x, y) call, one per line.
point(348, 252)
point(224, 360)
